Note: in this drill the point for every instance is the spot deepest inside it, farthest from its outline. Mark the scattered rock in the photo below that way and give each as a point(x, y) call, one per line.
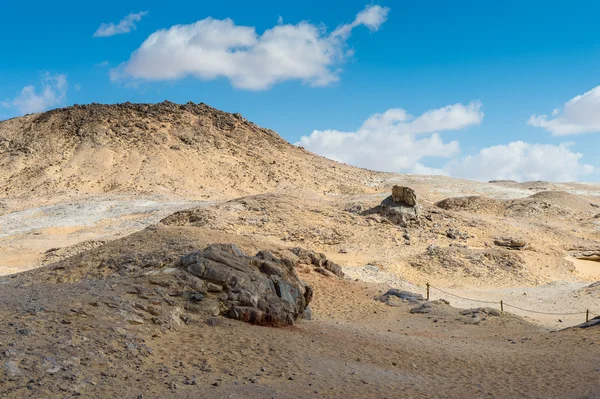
point(429, 307)
point(488, 262)
point(213, 321)
point(131, 318)
point(476, 316)
point(591, 323)
point(11, 369)
point(319, 260)
point(454, 234)
point(353, 208)
point(405, 296)
point(324, 272)
point(54, 255)
point(511, 243)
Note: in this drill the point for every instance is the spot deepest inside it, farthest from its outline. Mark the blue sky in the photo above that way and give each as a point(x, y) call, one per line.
point(454, 83)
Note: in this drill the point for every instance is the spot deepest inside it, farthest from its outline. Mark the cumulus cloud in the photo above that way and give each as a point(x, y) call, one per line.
point(522, 161)
point(212, 48)
point(579, 115)
point(125, 25)
point(391, 141)
point(51, 91)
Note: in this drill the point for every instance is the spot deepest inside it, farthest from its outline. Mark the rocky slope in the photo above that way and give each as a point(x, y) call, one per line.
point(190, 150)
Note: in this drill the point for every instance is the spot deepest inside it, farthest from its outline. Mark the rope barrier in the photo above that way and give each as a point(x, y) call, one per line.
point(547, 313)
point(502, 303)
point(458, 296)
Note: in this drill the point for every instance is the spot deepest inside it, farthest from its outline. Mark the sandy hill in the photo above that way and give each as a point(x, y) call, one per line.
point(191, 150)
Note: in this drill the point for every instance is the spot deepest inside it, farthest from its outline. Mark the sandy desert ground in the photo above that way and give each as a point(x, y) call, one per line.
point(100, 203)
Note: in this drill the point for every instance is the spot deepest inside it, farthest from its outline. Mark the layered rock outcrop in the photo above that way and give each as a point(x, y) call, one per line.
point(260, 289)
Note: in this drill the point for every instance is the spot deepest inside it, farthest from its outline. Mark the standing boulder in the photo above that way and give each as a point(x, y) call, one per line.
point(401, 207)
point(404, 196)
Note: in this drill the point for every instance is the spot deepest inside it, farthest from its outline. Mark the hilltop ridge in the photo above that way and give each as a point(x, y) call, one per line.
point(191, 150)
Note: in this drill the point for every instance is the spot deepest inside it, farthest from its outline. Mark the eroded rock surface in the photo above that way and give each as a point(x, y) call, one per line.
point(511, 243)
point(489, 262)
point(260, 289)
point(404, 196)
point(318, 260)
point(394, 295)
point(587, 254)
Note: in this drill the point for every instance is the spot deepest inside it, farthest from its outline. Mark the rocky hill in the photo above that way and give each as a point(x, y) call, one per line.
point(191, 150)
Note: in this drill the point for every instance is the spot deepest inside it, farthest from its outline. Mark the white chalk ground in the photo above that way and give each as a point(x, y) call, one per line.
point(25, 235)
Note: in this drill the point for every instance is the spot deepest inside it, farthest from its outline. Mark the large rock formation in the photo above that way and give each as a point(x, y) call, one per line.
point(259, 289)
point(401, 207)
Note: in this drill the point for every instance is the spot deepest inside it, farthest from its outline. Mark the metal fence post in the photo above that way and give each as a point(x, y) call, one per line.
point(501, 305)
point(427, 291)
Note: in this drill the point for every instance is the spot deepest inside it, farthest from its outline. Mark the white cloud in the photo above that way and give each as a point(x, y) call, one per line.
point(125, 25)
point(420, 169)
point(522, 161)
point(579, 115)
point(210, 48)
point(390, 141)
point(51, 92)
